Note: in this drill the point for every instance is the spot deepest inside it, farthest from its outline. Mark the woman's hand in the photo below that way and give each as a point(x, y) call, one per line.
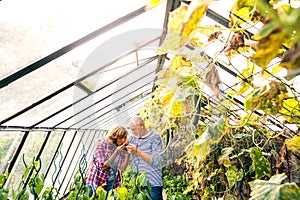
point(121, 147)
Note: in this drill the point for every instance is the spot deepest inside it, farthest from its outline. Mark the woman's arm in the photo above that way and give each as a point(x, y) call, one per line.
point(125, 163)
point(111, 159)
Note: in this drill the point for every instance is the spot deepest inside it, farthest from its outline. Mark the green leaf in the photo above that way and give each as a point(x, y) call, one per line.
point(122, 192)
point(259, 163)
point(101, 192)
point(233, 175)
point(2, 180)
point(273, 189)
point(39, 183)
point(224, 158)
point(141, 179)
point(24, 196)
point(26, 171)
point(4, 194)
point(265, 31)
point(210, 136)
point(139, 196)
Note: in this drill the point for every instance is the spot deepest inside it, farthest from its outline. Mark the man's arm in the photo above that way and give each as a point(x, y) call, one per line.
point(155, 158)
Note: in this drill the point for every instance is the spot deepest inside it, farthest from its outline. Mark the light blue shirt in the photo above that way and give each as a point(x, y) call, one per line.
point(150, 144)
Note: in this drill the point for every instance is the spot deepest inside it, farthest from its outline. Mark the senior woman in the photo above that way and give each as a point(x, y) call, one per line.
point(109, 158)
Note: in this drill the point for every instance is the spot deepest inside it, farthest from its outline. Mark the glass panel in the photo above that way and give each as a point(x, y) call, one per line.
point(45, 109)
point(8, 144)
point(59, 157)
point(116, 94)
point(30, 149)
point(71, 164)
point(118, 116)
point(38, 28)
point(50, 148)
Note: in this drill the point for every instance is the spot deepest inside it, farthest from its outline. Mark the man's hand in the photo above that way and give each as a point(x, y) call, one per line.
point(131, 148)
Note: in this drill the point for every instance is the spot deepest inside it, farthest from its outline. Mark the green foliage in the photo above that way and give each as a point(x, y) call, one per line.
point(50, 193)
point(78, 190)
point(273, 189)
point(233, 175)
point(133, 186)
point(259, 163)
point(3, 191)
point(223, 158)
point(174, 186)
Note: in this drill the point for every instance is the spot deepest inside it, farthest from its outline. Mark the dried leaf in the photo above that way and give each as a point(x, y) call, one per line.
point(214, 36)
point(268, 98)
point(212, 79)
point(291, 60)
point(236, 41)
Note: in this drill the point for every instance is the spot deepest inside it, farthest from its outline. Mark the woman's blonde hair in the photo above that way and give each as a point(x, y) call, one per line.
point(115, 133)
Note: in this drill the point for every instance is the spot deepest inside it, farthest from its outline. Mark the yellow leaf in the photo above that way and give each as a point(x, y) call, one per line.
point(174, 40)
point(277, 69)
point(240, 8)
point(176, 108)
point(166, 99)
point(176, 17)
point(244, 88)
point(179, 61)
point(291, 110)
point(194, 15)
point(244, 13)
point(268, 48)
point(294, 143)
point(152, 4)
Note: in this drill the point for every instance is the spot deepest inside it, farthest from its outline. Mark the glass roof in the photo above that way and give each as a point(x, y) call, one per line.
point(32, 29)
point(93, 49)
point(109, 54)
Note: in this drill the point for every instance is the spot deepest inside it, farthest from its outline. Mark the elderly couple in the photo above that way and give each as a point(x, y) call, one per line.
point(144, 147)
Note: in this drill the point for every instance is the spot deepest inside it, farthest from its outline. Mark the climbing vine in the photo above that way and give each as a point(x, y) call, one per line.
point(243, 141)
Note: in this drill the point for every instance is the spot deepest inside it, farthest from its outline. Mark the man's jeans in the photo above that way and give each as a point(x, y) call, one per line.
point(155, 193)
point(108, 187)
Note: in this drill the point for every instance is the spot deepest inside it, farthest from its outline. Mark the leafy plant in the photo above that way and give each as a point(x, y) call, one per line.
point(175, 185)
point(133, 186)
point(78, 190)
point(273, 189)
point(3, 191)
point(232, 141)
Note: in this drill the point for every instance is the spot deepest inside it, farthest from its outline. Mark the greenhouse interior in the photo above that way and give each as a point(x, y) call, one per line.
point(218, 81)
